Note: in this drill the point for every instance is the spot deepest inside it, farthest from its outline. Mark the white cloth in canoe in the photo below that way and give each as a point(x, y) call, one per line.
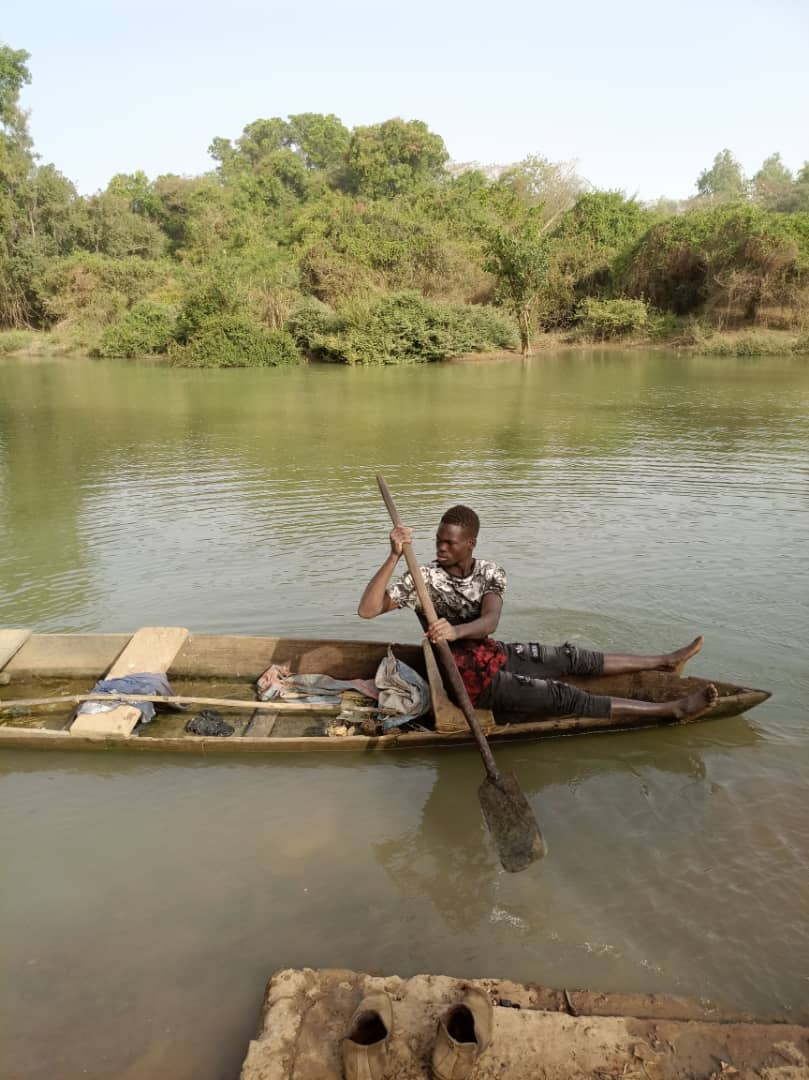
point(278, 683)
point(401, 691)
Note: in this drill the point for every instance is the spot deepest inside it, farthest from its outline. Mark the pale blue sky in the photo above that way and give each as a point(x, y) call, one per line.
point(641, 94)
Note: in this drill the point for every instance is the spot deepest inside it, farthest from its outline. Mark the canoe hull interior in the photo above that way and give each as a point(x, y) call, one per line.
point(226, 666)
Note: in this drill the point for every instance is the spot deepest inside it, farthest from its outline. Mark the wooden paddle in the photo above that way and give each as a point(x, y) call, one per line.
point(506, 811)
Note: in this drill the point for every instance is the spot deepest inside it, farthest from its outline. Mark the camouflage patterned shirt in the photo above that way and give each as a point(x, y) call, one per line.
point(456, 599)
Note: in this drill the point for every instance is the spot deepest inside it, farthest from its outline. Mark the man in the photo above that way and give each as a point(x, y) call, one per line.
point(519, 681)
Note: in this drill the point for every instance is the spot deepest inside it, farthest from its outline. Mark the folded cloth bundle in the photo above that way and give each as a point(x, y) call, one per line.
point(148, 683)
point(277, 683)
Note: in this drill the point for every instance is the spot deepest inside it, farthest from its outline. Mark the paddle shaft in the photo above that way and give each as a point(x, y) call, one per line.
point(441, 647)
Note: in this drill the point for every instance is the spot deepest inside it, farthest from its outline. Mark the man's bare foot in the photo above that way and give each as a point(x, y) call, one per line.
point(675, 661)
point(695, 703)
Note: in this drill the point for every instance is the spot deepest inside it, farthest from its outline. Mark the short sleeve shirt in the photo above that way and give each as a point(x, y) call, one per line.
point(456, 599)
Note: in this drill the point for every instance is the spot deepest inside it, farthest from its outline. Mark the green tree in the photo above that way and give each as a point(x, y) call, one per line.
point(138, 191)
point(393, 157)
point(516, 252)
point(14, 74)
point(16, 174)
point(774, 186)
point(41, 215)
point(322, 141)
point(799, 200)
point(114, 229)
point(724, 181)
point(263, 165)
point(589, 245)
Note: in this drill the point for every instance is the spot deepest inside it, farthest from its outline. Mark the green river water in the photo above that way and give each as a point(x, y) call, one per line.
point(635, 500)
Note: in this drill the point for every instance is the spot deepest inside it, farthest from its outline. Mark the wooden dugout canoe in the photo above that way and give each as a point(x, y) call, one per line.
point(39, 668)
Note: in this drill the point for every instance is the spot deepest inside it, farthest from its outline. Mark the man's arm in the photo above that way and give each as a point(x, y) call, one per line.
point(484, 626)
point(376, 600)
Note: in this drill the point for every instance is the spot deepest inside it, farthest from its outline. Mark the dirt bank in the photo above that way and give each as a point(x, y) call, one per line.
point(538, 1032)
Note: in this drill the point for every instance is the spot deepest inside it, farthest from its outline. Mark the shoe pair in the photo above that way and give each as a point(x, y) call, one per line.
point(464, 1032)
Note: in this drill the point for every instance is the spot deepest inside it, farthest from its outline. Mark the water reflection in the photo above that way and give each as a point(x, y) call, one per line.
point(447, 855)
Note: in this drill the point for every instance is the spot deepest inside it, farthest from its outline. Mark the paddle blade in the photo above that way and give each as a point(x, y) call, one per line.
point(511, 822)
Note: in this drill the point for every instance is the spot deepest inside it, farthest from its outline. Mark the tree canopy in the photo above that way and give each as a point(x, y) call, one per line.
point(346, 241)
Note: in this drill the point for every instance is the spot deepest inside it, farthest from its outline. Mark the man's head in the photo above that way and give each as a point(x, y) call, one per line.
point(465, 517)
point(456, 537)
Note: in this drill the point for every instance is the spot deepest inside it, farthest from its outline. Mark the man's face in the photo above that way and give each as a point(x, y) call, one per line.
point(453, 545)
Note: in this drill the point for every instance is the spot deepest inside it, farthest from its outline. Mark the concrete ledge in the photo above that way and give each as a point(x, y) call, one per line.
point(553, 1035)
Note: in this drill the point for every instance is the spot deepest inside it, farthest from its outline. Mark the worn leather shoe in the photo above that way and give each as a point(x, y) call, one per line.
point(464, 1032)
point(365, 1048)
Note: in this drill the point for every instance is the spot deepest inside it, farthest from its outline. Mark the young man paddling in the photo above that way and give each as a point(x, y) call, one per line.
point(519, 681)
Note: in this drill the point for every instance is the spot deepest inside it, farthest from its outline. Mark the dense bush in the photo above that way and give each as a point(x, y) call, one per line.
point(586, 252)
point(400, 328)
point(732, 262)
point(147, 328)
point(235, 341)
point(604, 319)
point(208, 295)
point(95, 289)
point(311, 321)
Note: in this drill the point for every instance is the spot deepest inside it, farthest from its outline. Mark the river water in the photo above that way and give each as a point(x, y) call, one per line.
point(635, 500)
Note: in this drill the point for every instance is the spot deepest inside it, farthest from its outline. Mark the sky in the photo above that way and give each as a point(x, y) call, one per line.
point(640, 95)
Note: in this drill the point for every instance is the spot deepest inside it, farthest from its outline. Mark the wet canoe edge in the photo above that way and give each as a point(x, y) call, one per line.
point(43, 739)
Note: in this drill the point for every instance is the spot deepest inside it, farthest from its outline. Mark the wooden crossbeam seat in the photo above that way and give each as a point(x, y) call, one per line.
point(152, 650)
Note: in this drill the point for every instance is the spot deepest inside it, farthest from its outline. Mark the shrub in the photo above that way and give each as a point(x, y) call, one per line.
point(209, 296)
point(147, 328)
point(401, 328)
point(12, 341)
point(332, 277)
point(729, 261)
point(663, 325)
point(749, 343)
point(602, 319)
point(310, 321)
point(235, 341)
point(97, 290)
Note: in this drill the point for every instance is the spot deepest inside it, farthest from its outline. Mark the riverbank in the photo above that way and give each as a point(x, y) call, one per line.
point(750, 342)
point(537, 1031)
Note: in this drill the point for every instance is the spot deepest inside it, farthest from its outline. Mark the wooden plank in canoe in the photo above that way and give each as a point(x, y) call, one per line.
point(11, 641)
point(152, 649)
point(119, 721)
point(260, 725)
point(79, 656)
point(449, 717)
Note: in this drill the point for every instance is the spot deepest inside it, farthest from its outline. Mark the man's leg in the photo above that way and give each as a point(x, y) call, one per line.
point(625, 663)
point(519, 698)
point(556, 661)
